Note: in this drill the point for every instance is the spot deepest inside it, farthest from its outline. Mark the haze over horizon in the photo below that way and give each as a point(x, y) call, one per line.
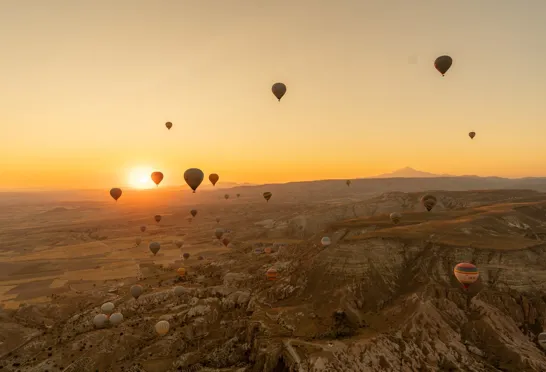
point(90, 86)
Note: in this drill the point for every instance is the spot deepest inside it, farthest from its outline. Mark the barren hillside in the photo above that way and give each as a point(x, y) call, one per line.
point(382, 297)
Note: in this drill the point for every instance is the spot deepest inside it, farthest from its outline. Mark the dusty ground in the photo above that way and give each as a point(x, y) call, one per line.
point(381, 298)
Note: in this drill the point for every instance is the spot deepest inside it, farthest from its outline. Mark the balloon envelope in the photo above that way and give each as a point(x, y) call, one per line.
point(179, 291)
point(136, 290)
point(115, 193)
point(472, 135)
point(186, 256)
point(179, 243)
point(193, 177)
point(226, 196)
point(138, 241)
point(157, 218)
point(116, 318)
point(100, 320)
point(466, 273)
point(271, 274)
point(193, 212)
point(213, 178)
point(107, 308)
point(169, 125)
point(157, 177)
point(428, 201)
point(142, 228)
point(442, 64)
point(225, 241)
point(267, 195)
point(395, 217)
point(325, 241)
point(154, 247)
point(348, 182)
point(181, 271)
point(162, 327)
point(279, 90)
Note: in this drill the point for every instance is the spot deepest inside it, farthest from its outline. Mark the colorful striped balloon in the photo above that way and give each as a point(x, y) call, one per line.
point(466, 273)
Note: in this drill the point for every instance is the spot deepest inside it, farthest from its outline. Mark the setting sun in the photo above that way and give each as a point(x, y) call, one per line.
point(140, 178)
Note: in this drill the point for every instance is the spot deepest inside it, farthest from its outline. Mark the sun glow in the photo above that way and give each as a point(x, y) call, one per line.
point(140, 178)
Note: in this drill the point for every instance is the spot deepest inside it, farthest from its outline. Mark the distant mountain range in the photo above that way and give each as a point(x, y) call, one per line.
point(408, 172)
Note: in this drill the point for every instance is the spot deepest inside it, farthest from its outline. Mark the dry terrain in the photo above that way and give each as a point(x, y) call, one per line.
point(382, 297)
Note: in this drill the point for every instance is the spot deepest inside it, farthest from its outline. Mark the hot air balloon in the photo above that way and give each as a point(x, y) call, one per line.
point(442, 64)
point(279, 90)
point(428, 201)
point(181, 271)
point(193, 178)
point(466, 273)
point(238, 196)
point(225, 241)
point(116, 318)
point(157, 218)
point(179, 291)
point(142, 228)
point(213, 178)
point(218, 233)
point(169, 125)
point(348, 182)
point(267, 196)
point(271, 274)
point(217, 219)
point(157, 177)
point(186, 256)
point(226, 196)
point(154, 247)
point(193, 212)
point(136, 290)
point(472, 135)
point(325, 241)
point(179, 243)
point(138, 241)
point(107, 308)
point(395, 217)
point(162, 327)
point(542, 340)
point(115, 193)
point(100, 320)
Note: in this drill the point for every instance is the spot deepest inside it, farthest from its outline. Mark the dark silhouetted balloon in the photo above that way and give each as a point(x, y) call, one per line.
point(157, 218)
point(226, 196)
point(267, 196)
point(193, 178)
point(278, 89)
point(193, 212)
point(225, 241)
point(115, 193)
point(142, 228)
point(443, 63)
point(154, 247)
point(213, 178)
point(169, 125)
point(472, 135)
point(186, 256)
point(429, 201)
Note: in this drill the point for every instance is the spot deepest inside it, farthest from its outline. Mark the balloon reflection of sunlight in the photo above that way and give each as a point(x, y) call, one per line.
point(140, 178)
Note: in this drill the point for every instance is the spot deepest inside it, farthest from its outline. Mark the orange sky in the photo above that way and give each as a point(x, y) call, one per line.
point(87, 87)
